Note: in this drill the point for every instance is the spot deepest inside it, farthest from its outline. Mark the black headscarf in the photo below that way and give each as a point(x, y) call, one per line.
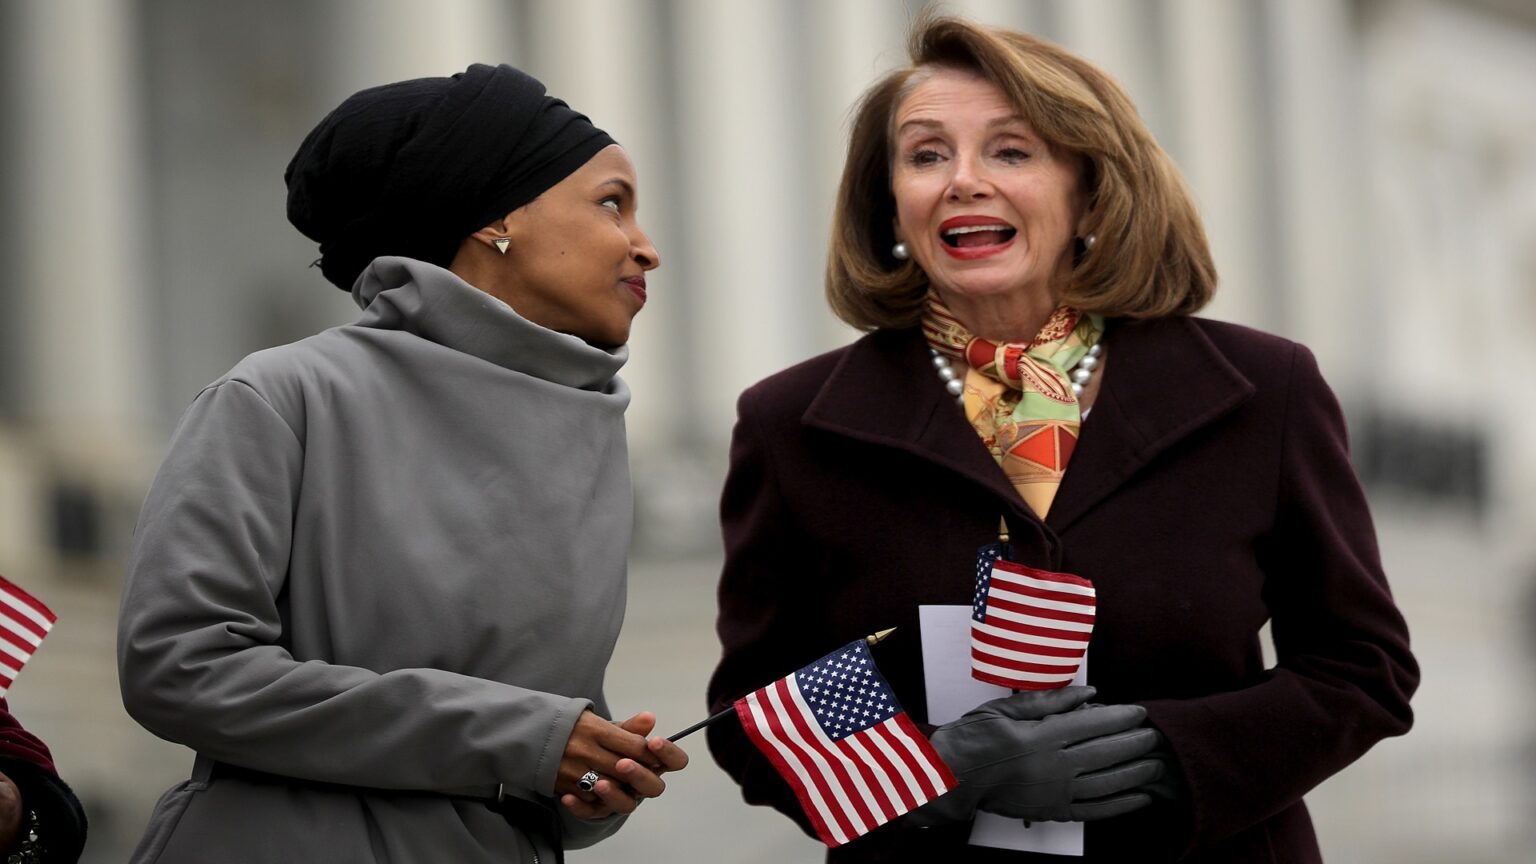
point(413, 168)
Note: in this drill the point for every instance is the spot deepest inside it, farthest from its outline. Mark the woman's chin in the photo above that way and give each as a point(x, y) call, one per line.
point(984, 287)
point(606, 339)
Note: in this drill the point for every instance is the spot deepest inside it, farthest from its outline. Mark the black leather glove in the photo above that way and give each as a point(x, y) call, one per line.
point(1045, 756)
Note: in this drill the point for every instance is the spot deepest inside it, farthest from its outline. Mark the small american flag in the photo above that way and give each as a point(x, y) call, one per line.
point(839, 737)
point(24, 621)
point(1029, 628)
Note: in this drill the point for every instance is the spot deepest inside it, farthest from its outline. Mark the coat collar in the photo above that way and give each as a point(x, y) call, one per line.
point(884, 391)
point(435, 304)
point(1164, 380)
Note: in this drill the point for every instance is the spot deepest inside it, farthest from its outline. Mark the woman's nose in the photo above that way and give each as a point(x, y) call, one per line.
point(968, 182)
point(643, 251)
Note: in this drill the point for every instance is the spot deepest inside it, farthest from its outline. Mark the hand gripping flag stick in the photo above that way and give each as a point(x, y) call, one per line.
point(836, 733)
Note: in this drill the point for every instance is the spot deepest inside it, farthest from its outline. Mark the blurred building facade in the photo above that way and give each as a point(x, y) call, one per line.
point(1366, 169)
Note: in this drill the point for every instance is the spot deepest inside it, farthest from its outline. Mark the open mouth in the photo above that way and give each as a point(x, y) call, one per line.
point(973, 236)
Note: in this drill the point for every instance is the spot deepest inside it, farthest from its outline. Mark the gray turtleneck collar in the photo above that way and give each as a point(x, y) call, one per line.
point(437, 305)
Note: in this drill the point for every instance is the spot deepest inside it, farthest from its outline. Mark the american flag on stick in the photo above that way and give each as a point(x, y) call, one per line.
point(1029, 628)
point(839, 737)
point(24, 621)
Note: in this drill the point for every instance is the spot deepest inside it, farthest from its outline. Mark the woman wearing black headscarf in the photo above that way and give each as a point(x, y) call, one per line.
point(379, 576)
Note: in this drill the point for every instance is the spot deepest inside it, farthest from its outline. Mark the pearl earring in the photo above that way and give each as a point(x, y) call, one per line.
point(900, 251)
point(502, 243)
point(1090, 240)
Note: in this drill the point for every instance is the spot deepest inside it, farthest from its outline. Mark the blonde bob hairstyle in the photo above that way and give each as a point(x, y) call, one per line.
point(1150, 258)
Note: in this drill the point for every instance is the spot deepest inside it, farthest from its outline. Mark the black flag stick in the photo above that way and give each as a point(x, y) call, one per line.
point(702, 723)
point(872, 640)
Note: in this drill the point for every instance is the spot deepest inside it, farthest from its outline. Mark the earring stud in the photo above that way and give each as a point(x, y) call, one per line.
point(900, 251)
point(1090, 241)
point(502, 243)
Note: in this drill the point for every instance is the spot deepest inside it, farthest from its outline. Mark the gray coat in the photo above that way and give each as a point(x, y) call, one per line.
point(391, 555)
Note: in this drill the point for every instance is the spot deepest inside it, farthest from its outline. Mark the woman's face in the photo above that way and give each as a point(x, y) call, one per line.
point(577, 259)
point(984, 206)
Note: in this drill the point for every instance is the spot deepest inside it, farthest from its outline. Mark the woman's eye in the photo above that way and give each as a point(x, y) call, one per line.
point(923, 157)
point(1012, 155)
point(611, 204)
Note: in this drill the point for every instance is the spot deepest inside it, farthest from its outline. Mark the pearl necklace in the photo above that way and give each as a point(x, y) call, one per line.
point(1080, 374)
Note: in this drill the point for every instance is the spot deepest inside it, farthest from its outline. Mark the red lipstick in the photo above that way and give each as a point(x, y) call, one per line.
point(968, 253)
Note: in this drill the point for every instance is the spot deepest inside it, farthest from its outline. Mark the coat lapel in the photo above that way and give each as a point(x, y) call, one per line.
point(885, 391)
point(1164, 379)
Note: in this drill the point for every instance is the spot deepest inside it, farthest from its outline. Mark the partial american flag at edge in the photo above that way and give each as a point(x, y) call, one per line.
point(1029, 628)
point(837, 734)
point(24, 621)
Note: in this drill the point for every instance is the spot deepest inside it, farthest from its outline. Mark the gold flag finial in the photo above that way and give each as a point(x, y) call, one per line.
point(878, 637)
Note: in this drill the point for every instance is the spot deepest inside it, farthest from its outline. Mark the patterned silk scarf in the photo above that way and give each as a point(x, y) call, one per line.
point(1018, 396)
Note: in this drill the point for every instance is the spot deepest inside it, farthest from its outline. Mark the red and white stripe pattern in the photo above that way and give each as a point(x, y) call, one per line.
point(836, 733)
point(24, 621)
point(1029, 628)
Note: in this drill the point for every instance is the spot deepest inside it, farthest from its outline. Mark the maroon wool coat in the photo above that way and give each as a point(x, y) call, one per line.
point(27, 762)
point(1210, 491)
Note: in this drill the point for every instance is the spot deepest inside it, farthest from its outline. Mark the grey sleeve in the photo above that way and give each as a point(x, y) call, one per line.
point(579, 833)
point(201, 659)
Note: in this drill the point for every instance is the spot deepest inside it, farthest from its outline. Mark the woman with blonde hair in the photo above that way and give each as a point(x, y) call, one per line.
point(1027, 262)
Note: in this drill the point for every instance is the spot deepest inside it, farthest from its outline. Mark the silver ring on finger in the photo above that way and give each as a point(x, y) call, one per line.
point(588, 781)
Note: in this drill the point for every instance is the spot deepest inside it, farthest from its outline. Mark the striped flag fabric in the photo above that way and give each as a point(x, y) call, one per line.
point(24, 621)
point(1029, 627)
point(836, 733)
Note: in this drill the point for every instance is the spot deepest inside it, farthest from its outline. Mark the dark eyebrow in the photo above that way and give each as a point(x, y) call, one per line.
point(627, 187)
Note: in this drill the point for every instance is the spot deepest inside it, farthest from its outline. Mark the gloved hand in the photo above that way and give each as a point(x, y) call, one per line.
point(1171, 787)
point(1045, 756)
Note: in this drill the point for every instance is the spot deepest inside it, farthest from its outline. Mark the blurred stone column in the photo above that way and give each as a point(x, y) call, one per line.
point(852, 43)
point(1039, 17)
point(79, 308)
point(1119, 37)
point(1319, 165)
point(610, 61)
point(1453, 165)
point(615, 62)
point(1215, 138)
point(78, 246)
point(378, 41)
point(740, 134)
